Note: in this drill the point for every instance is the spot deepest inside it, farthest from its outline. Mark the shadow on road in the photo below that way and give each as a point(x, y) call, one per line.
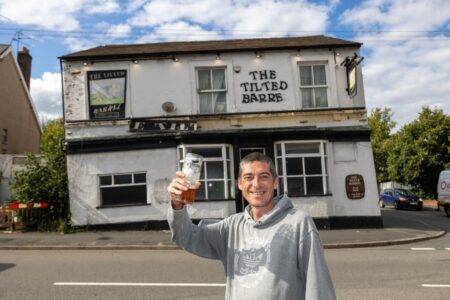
point(4, 267)
point(408, 219)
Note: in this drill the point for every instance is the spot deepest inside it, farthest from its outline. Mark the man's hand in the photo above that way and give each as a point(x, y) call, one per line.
point(177, 187)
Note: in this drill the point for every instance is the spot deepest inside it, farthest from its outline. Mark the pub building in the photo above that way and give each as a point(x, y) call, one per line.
point(132, 112)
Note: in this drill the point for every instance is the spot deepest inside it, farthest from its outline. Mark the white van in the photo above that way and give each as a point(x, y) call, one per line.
point(443, 191)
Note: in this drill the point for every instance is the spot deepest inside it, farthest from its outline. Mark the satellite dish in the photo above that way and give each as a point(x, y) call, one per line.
point(168, 106)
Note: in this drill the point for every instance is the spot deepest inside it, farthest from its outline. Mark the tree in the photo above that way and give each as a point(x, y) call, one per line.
point(381, 124)
point(45, 179)
point(420, 151)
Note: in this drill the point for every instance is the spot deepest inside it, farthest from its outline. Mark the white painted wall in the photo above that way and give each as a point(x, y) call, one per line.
point(160, 165)
point(344, 158)
point(153, 82)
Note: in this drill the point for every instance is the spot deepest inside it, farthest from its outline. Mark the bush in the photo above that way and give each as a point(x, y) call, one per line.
point(45, 179)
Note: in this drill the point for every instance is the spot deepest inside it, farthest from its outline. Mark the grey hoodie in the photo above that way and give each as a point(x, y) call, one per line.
point(278, 257)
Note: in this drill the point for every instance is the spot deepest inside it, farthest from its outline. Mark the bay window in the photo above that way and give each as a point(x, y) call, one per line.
point(217, 174)
point(301, 168)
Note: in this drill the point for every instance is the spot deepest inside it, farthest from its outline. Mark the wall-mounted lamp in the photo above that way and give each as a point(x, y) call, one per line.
point(218, 56)
point(258, 54)
point(298, 53)
point(175, 59)
point(85, 63)
point(135, 61)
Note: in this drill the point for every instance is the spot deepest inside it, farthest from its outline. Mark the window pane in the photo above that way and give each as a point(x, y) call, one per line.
point(294, 166)
point(216, 190)
point(307, 98)
point(218, 79)
point(227, 148)
point(305, 75)
point(204, 80)
point(321, 97)
point(122, 179)
point(205, 103)
point(200, 194)
point(313, 165)
point(279, 166)
point(230, 190)
point(140, 178)
point(319, 75)
point(280, 185)
point(295, 187)
point(206, 152)
point(214, 169)
point(105, 180)
point(124, 195)
point(202, 173)
point(220, 102)
point(278, 149)
point(229, 170)
point(314, 185)
point(301, 148)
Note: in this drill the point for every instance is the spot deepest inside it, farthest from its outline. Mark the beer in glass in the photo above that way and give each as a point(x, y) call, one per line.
point(192, 167)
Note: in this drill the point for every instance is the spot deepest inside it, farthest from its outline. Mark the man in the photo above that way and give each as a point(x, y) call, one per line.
point(270, 251)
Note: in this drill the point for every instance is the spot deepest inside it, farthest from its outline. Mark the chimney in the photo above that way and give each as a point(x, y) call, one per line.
point(24, 59)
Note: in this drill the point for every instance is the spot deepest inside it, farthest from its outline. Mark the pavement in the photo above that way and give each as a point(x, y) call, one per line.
point(395, 232)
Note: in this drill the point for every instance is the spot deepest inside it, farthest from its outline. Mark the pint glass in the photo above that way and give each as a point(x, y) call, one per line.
point(192, 167)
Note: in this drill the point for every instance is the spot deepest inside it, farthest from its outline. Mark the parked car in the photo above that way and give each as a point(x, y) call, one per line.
point(443, 190)
point(400, 198)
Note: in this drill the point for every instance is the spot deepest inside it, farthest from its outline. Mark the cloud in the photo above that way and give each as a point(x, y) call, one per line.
point(77, 44)
point(46, 94)
point(102, 7)
point(54, 14)
point(236, 18)
point(192, 33)
point(119, 31)
point(49, 14)
point(408, 60)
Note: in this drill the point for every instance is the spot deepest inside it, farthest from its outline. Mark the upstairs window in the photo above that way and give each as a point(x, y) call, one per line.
point(212, 90)
point(313, 85)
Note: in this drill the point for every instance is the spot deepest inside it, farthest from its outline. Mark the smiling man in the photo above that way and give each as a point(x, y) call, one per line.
point(270, 251)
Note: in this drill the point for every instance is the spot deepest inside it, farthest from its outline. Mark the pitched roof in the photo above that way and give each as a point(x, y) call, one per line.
point(171, 48)
point(3, 48)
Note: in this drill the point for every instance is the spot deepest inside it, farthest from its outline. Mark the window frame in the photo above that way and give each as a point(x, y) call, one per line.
point(211, 91)
point(284, 177)
point(229, 183)
point(314, 86)
point(100, 186)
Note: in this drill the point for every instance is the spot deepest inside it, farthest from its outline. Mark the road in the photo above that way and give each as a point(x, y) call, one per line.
point(411, 271)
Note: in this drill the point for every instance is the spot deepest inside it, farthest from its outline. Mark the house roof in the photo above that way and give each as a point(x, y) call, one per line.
point(3, 48)
point(171, 48)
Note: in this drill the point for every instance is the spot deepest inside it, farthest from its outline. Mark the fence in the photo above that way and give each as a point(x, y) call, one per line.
point(16, 215)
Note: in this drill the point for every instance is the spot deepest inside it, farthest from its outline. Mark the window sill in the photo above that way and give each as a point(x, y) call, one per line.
point(123, 205)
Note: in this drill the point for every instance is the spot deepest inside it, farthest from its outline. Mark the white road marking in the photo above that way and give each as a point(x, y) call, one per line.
point(139, 284)
point(437, 285)
point(424, 249)
point(447, 248)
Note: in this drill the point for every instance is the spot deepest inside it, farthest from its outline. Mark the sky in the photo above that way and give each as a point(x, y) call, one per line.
point(406, 43)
